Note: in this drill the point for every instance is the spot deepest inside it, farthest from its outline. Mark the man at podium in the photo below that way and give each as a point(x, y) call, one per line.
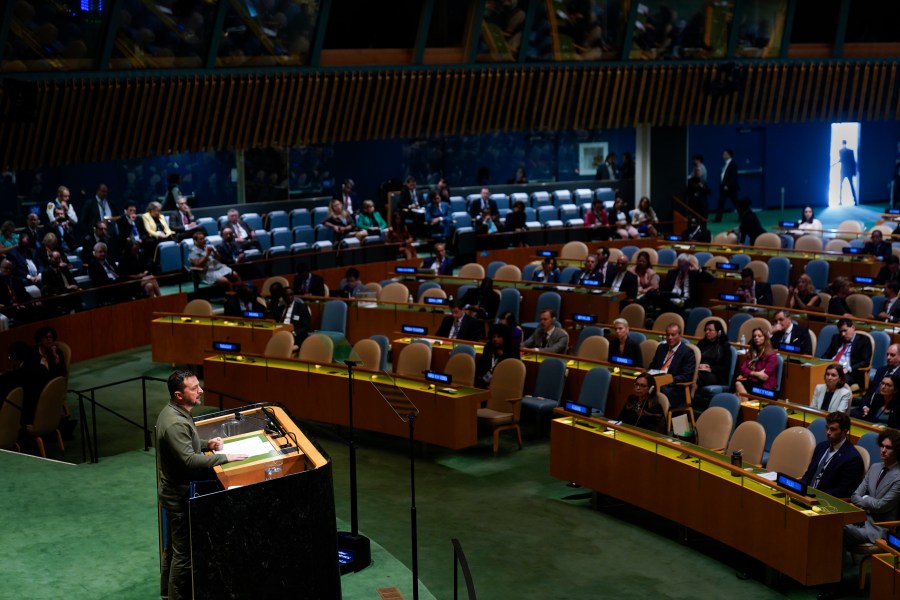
point(181, 460)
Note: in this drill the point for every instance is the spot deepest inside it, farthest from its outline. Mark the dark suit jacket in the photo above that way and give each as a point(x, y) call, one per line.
point(729, 180)
point(475, 207)
point(860, 355)
point(843, 473)
point(696, 279)
point(750, 227)
point(632, 350)
point(799, 337)
point(894, 314)
point(470, 328)
point(87, 246)
point(20, 262)
point(233, 306)
point(316, 285)
point(681, 369)
point(882, 249)
point(698, 234)
point(880, 373)
point(763, 293)
point(299, 319)
point(581, 275)
point(446, 267)
point(90, 213)
point(355, 204)
point(406, 199)
point(629, 286)
point(18, 293)
point(229, 253)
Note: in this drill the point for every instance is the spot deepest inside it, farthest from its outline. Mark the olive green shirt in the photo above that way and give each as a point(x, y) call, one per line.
point(180, 452)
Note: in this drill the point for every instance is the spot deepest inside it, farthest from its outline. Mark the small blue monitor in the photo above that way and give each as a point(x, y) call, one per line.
point(851, 250)
point(582, 318)
point(414, 329)
point(728, 266)
point(758, 391)
point(581, 409)
point(621, 360)
point(893, 211)
point(863, 280)
point(731, 298)
point(788, 482)
point(789, 347)
point(436, 377)
point(547, 253)
point(787, 223)
point(593, 282)
point(893, 541)
point(254, 314)
point(405, 270)
point(433, 300)
point(226, 346)
point(673, 238)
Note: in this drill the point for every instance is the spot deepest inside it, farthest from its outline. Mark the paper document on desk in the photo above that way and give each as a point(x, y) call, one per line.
point(252, 446)
point(770, 475)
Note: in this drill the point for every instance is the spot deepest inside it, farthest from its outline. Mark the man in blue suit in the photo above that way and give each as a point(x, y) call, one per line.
point(836, 467)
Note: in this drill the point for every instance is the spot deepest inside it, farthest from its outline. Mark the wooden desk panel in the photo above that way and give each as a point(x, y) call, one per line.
point(801, 544)
point(885, 577)
point(188, 339)
point(320, 394)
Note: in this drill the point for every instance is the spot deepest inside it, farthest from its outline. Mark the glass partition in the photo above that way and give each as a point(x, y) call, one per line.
point(762, 29)
point(278, 32)
point(683, 29)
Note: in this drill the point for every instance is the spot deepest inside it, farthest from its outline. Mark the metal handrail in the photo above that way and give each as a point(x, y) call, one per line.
point(459, 561)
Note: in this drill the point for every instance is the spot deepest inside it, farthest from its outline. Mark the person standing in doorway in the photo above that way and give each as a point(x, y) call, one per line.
point(848, 171)
point(728, 183)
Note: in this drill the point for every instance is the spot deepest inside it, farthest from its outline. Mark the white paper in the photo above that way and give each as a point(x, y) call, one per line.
point(770, 475)
point(252, 446)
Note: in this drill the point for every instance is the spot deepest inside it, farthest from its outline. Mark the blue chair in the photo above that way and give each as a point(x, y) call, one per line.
point(869, 441)
point(741, 260)
point(461, 219)
point(566, 274)
point(282, 236)
point(818, 271)
point(550, 300)
point(334, 320)
point(169, 257)
point(878, 301)
point(774, 420)
point(824, 339)
point(729, 402)
point(702, 257)
point(547, 213)
point(734, 324)
point(464, 349)
point(817, 428)
point(385, 345)
point(457, 204)
point(666, 256)
point(463, 289)
point(637, 336)
point(528, 271)
point(711, 391)
point(539, 199)
point(595, 390)
point(696, 314)
point(879, 353)
point(502, 201)
point(277, 218)
point(560, 197)
point(510, 301)
point(605, 195)
point(779, 270)
point(304, 234)
point(253, 220)
point(629, 251)
point(492, 267)
point(300, 216)
point(428, 285)
point(548, 389)
point(585, 333)
point(530, 214)
point(319, 214)
point(787, 241)
point(568, 212)
point(209, 225)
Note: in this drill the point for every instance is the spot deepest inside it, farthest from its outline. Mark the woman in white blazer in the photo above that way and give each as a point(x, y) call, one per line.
point(836, 387)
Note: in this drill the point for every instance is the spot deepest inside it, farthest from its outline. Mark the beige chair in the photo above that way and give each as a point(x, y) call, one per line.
point(780, 294)
point(369, 353)
point(413, 360)
point(712, 261)
point(10, 417)
point(867, 460)
point(595, 347)
point(824, 299)
point(760, 270)
point(768, 240)
point(648, 350)
point(574, 251)
point(634, 314)
point(654, 256)
point(808, 243)
point(198, 307)
point(868, 368)
point(317, 348)
point(689, 389)
point(434, 293)
point(850, 229)
point(726, 237)
point(472, 271)
point(614, 254)
point(462, 367)
point(47, 414)
point(701, 326)
point(714, 428)
point(505, 403)
point(813, 340)
point(374, 287)
point(747, 327)
point(886, 230)
point(280, 345)
point(836, 245)
point(508, 273)
point(860, 305)
point(666, 319)
point(394, 292)
point(750, 439)
point(267, 284)
point(791, 452)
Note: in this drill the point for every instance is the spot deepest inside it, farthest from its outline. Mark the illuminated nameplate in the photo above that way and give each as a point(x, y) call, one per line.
point(731, 298)
point(789, 348)
point(581, 409)
point(863, 280)
point(405, 270)
point(893, 211)
point(673, 238)
point(758, 391)
point(547, 253)
point(893, 541)
point(726, 266)
point(226, 346)
point(851, 250)
point(432, 300)
point(593, 282)
point(254, 314)
point(621, 360)
point(414, 329)
point(438, 377)
point(788, 482)
point(787, 223)
point(581, 318)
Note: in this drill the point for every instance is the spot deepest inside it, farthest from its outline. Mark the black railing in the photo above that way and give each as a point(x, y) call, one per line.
point(460, 562)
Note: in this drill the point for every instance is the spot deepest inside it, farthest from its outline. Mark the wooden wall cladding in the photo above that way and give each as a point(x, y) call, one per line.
point(82, 121)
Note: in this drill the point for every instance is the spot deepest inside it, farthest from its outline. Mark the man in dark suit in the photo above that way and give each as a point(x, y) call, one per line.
point(677, 360)
point(836, 467)
point(754, 292)
point(483, 202)
point(440, 263)
point(890, 311)
point(182, 220)
point(607, 169)
point(785, 331)
point(891, 366)
point(295, 313)
point(877, 246)
point(460, 326)
point(624, 280)
point(348, 197)
point(852, 351)
point(848, 171)
point(683, 285)
point(588, 271)
point(243, 233)
point(98, 207)
point(890, 271)
point(34, 230)
point(100, 233)
point(696, 231)
point(244, 300)
point(306, 283)
point(728, 183)
point(412, 206)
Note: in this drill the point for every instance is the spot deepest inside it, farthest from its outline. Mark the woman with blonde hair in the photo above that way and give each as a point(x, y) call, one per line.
point(341, 222)
point(802, 295)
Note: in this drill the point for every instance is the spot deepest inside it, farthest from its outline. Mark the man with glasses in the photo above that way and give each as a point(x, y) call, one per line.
point(851, 351)
point(784, 331)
